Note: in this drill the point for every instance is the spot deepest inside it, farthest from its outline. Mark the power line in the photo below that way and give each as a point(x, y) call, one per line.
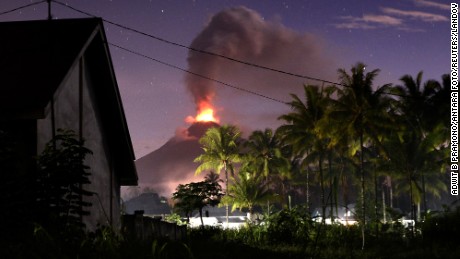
point(199, 50)
point(207, 53)
point(21, 7)
point(196, 74)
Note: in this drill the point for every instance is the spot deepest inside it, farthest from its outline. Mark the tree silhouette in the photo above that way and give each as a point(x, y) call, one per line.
point(221, 151)
point(301, 130)
point(423, 107)
point(362, 113)
point(196, 196)
point(264, 157)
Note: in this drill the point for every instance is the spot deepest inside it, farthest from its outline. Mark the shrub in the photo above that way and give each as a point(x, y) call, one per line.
point(289, 226)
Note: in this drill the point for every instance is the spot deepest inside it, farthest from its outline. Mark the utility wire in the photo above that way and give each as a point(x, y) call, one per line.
point(207, 53)
point(189, 48)
point(198, 50)
point(196, 74)
point(21, 7)
point(151, 58)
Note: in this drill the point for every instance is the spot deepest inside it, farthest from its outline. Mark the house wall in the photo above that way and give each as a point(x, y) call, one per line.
point(74, 107)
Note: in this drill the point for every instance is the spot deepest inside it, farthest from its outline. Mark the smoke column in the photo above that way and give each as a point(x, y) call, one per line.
point(243, 34)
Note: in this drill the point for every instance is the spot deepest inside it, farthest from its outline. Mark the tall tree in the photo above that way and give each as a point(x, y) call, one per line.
point(361, 112)
point(221, 152)
point(301, 127)
point(423, 111)
point(264, 156)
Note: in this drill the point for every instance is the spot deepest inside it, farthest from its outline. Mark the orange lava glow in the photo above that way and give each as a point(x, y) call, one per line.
point(205, 114)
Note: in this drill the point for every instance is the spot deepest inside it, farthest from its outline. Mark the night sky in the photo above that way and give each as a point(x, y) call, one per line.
point(312, 38)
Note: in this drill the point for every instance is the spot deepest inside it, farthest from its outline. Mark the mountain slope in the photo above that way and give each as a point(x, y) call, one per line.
point(172, 164)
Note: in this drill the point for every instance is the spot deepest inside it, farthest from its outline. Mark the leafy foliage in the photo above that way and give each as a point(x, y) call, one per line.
point(290, 226)
point(247, 191)
point(175, 218)
point(221, 151)
point(61, 177)
point(196, 196)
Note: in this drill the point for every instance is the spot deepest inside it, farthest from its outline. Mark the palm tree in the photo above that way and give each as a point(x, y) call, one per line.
point(301, 129)
point(265, 156)
point(265, 152)
point(361, 112)
point(417, 160)
point(423, 108)
point(212, 178)
point(248, 190)
point(415, 104)
point(221, 151)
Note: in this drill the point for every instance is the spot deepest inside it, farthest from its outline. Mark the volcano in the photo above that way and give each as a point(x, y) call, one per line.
point(172, 164)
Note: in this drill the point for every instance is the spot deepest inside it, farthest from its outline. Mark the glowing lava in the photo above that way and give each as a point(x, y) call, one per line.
point(204, 114)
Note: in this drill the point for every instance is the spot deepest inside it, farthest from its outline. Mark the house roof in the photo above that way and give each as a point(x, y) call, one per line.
point(36, 57)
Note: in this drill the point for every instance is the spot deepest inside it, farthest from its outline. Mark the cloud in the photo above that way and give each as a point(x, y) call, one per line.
point(432, 4)
point(423, 16)
point(382, 19)
point(393, 18)
point(354, 25)
point(368, 21)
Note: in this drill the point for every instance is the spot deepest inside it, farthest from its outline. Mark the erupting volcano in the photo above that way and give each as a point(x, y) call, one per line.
point(238, 33)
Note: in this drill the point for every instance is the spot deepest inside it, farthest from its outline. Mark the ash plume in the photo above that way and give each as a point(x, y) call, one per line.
point(243, 34)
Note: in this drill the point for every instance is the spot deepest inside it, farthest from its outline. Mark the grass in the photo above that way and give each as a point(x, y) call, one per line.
point(277, 239)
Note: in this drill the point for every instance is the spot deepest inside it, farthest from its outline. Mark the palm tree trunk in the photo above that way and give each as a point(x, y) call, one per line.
point(201, 216)
point(384, 205)
point(391, 192)
point(424, 194)
point(331, 205)
point(226, 191)
point(411, 201)
point(363, 206)
point(268, 201)
point(340, 176)
point(308, 189)
point(344, 192)
point(323, 203)
point(375, 205)
point(329, 164)
point(418, 211)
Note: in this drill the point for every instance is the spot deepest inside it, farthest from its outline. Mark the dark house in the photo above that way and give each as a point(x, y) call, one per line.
point(59, 74)
point(150, 203)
